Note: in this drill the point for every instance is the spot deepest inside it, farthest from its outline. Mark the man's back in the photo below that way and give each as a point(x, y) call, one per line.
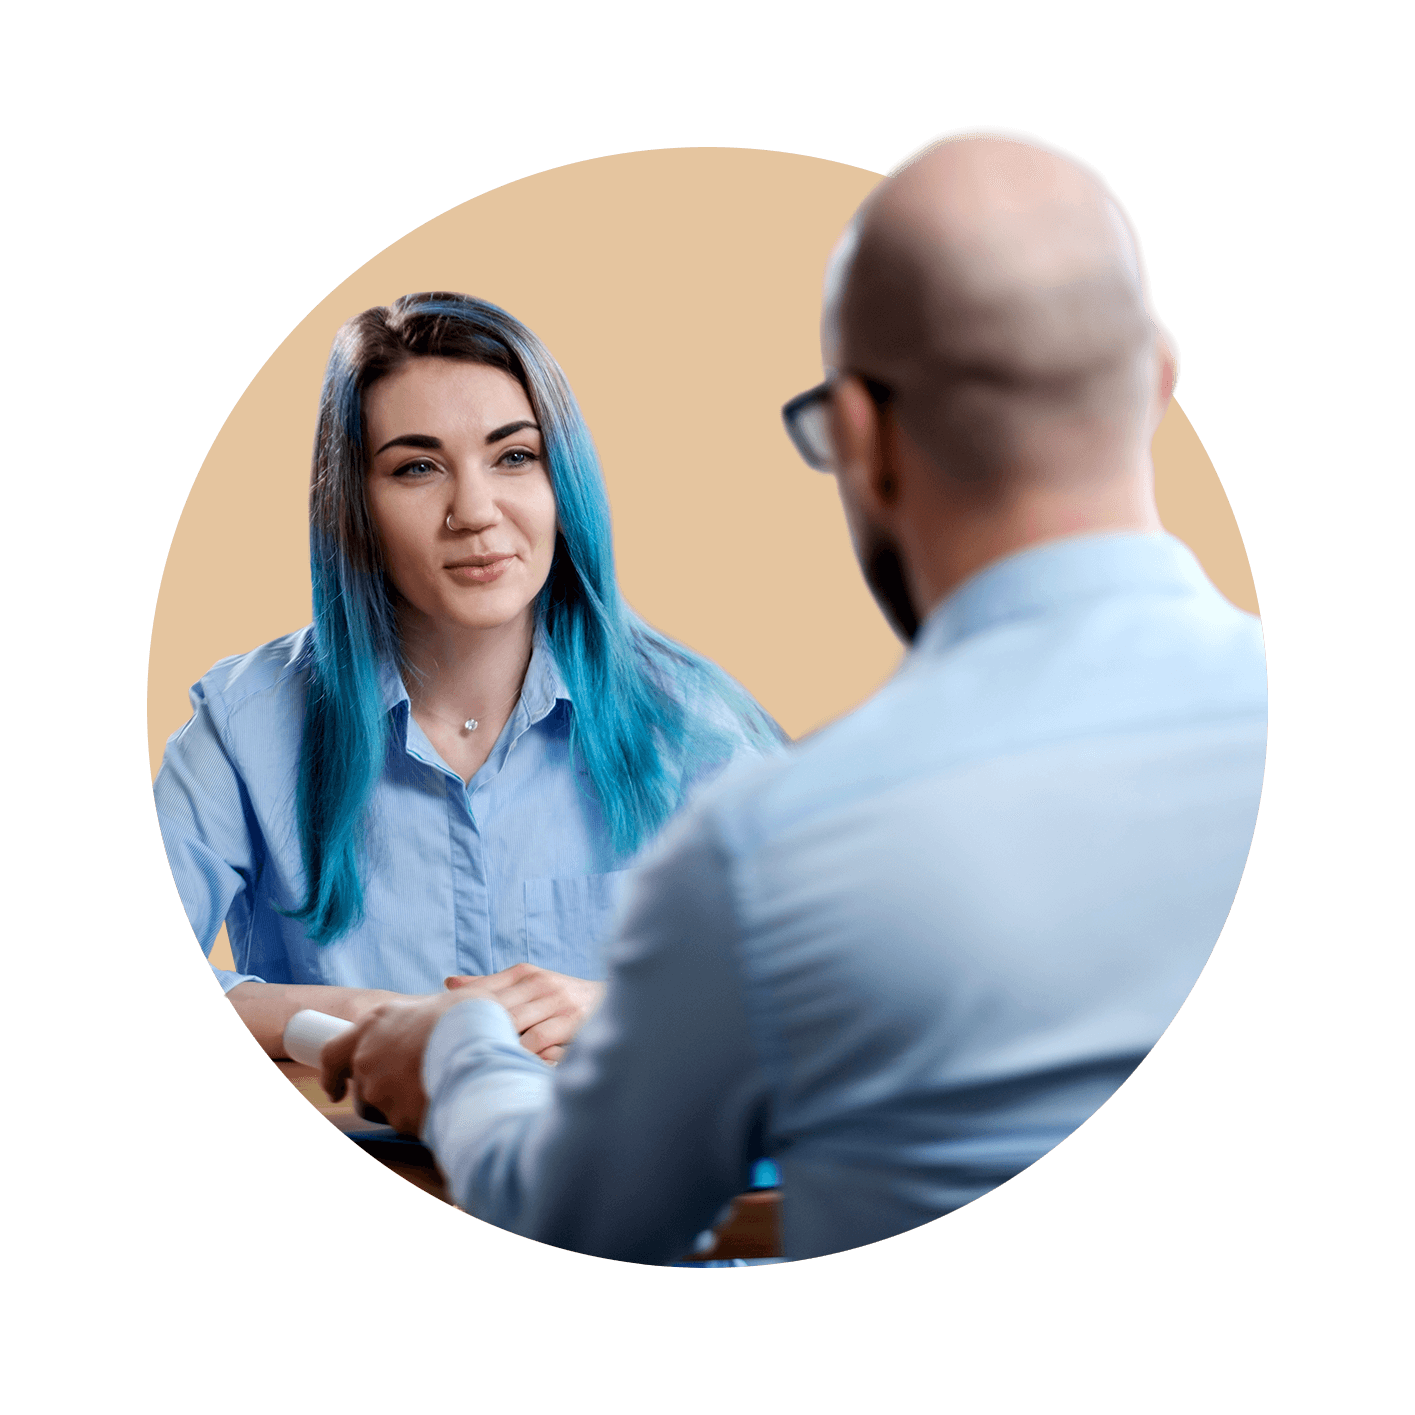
point(968, 910)
point(912, 957)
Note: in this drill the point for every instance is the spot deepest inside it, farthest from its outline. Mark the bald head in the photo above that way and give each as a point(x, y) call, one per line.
point(996, 289)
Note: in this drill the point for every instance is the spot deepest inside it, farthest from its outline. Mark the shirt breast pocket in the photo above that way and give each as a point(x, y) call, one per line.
point(567, 920)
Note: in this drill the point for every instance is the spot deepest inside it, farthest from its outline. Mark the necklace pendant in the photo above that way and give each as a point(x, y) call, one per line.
point(470, 725)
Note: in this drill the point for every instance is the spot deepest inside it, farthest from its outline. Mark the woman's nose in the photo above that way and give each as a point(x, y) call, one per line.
point(473, 507)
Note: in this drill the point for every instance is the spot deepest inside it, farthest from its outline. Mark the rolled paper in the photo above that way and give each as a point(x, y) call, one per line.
point(307, 1031)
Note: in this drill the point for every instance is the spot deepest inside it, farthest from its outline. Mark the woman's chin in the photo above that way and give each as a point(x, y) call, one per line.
point(486, 616)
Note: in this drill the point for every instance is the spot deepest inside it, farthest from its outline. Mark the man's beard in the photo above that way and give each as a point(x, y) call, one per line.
point(884, 573)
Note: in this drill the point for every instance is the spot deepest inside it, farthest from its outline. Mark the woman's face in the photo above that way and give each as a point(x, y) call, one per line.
point(459, 440)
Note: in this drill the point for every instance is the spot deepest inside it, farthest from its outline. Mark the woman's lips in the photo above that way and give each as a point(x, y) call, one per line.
point(480, 572)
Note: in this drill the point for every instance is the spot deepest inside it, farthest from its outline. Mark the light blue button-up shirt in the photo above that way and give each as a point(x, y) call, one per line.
point(914, 955)
point(515, 866)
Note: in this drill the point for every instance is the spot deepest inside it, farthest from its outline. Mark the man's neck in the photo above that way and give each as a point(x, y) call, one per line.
point(948, 544)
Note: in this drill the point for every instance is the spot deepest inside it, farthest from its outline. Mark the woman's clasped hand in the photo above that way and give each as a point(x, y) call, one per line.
point(547, 1008)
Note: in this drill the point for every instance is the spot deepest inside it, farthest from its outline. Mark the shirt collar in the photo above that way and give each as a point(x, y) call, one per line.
point(1042, 578)
point(543, 688)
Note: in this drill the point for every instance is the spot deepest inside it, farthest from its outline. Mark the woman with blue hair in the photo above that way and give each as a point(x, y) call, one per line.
point(443, 777)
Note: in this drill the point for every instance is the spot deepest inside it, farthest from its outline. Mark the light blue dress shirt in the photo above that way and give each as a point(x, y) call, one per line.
point(515, 866)
point(914, 955)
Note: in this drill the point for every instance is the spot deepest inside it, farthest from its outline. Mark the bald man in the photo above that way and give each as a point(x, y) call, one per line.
point(910, 958)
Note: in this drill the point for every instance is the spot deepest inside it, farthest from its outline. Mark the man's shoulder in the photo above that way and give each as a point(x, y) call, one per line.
point(1106, 673)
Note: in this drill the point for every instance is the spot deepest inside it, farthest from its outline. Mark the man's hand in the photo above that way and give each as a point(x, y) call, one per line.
point(384, 1055)
point(547, 1008)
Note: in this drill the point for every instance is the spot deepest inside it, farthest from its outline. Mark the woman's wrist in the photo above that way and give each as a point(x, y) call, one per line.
point(265, 1008)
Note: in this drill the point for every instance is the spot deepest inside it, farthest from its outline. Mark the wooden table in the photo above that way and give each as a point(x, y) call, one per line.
point(752, 1230)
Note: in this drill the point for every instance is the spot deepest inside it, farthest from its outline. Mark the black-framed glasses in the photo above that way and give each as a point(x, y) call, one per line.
point(807, 419)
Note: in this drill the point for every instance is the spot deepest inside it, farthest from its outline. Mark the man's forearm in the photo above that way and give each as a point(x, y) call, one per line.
point(485, 1091)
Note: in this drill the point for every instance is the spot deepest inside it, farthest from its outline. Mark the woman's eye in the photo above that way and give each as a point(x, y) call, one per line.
point(518, 457)
point(415, 469)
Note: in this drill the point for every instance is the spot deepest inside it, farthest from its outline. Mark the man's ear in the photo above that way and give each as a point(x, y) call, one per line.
point(861, 454)
point(1168, 371)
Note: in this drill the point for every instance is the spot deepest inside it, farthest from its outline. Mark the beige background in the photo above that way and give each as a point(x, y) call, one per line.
point(680, 292)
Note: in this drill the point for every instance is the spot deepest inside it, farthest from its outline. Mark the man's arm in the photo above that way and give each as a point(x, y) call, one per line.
point(652, 1121)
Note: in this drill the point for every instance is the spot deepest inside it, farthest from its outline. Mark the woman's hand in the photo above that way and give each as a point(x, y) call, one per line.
point(547, 1008)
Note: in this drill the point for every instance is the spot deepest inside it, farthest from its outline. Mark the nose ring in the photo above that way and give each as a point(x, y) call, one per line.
point(449, 520)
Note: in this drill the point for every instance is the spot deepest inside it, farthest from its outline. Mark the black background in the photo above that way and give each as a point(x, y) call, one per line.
point(227, 255)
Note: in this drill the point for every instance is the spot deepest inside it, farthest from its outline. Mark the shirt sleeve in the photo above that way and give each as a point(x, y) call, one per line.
point(629, 1148)
point(204, 814)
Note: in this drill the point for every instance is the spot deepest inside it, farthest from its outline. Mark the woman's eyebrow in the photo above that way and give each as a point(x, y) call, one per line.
point(506, 431)
point(434, 444)
point(413, 439)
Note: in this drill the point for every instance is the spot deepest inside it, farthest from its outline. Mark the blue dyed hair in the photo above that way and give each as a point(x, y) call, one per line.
point(661, 712)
